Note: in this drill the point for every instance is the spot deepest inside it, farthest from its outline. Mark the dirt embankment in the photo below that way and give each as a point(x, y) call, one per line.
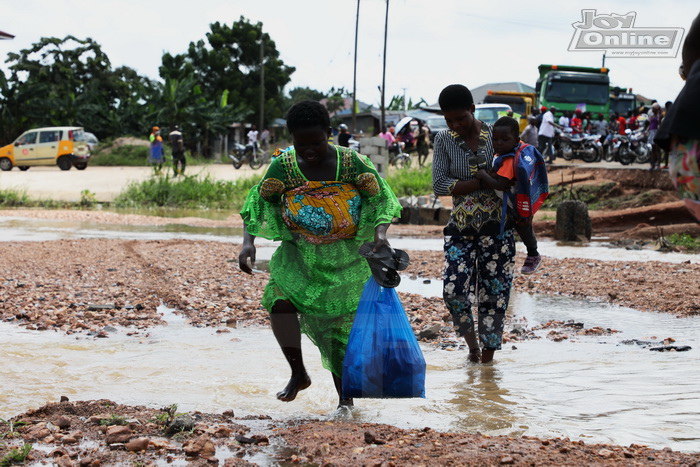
point(104, 433)
point(630, 203)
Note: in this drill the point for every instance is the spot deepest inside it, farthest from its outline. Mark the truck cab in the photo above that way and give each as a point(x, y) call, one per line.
point(574, 88)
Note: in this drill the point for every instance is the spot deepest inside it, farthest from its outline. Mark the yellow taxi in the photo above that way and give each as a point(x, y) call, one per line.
point(64, 146)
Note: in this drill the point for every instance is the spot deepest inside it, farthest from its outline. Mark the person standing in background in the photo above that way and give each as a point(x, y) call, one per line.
point(157, 152)
point(177, 147)
point(253, 137)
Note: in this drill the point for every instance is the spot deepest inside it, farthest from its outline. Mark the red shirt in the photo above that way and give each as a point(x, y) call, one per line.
point(576, 124)
point(623, 125)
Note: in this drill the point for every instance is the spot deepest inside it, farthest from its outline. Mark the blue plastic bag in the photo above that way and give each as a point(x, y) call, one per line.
point(383, 358)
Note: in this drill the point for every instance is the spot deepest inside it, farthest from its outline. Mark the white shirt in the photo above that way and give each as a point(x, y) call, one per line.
point(547, 126)
point(563, 121)
point(252, 136)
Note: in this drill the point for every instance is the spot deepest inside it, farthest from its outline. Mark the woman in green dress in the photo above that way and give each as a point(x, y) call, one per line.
point(322, 201)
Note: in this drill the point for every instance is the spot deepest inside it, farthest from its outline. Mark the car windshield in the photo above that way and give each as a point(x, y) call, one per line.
point(577, 92)
point(490, 114)
point(76, 135)
point(436, 123)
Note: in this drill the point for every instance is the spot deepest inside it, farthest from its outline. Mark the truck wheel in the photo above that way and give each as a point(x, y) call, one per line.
point(64, 163)
point(81, 165)
point(23, 168)
point(5, 164)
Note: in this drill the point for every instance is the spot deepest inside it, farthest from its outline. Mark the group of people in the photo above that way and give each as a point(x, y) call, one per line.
point(323, 201)
point(409, 139)
point(540, 130)
point(157, 150)
point(257, 139)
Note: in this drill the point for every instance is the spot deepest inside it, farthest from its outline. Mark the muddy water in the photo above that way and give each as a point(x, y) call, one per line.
point(22, 229)
point(593, 388)
point(598, 389)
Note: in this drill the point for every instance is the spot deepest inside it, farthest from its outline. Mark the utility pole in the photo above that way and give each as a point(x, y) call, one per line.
point(262, 83)
point(405, 104)
point(386, 27)
point(354, 73)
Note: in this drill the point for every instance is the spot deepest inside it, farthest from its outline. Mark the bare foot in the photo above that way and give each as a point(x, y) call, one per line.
point(475, 355)
point(296, 383)
point(487, 356)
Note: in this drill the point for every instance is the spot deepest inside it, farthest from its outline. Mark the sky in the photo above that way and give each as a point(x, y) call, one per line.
point(430, 43)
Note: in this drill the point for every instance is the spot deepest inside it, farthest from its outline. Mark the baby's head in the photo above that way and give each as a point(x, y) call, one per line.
point(506, 135)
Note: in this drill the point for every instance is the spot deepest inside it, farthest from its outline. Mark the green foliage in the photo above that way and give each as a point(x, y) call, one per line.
point(411, 182)
point(16, 456)
point(230, 60)
point(399, 103)
point(304, 94)
point(685, 241)
point(186, 192)
point(13, 198)
point(166, 415)
point(9, 428)
point(70, 81)
point(114, 420)
point(126, 155)
point(87, 199)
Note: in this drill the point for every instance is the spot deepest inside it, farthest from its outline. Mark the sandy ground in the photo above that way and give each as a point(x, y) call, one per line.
point(104, 182)
point(86, 286)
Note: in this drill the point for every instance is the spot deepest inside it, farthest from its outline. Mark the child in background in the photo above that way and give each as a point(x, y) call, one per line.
point(506, 141)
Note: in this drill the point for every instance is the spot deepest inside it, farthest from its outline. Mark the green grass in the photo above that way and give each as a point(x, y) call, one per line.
point(114, 420)
point(188, 192)
point(16, 456)
point(13, 198)
point(123, 155)
point(135, 156)
point(19, 199)
point(411, 182)
point(685, 241)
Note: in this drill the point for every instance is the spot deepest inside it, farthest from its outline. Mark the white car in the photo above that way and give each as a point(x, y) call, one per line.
point(489, 113)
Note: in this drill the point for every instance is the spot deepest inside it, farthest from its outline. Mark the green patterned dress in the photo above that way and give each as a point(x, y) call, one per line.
point(321, 225)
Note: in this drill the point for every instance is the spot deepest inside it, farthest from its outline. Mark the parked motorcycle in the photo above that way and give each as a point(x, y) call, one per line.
point(241, 154)
point(639, 145)
point(620, 150)
point(397, 157)
point(582, 146)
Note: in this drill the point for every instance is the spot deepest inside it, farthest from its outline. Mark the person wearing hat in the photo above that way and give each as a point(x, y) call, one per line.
point(545, 135)
point(157, 153)
point(343, 135)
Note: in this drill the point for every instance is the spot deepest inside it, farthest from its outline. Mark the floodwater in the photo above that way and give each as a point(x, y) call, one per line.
point(16, 229)
point(593, 388)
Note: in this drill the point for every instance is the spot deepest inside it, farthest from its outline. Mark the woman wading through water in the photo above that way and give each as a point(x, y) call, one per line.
point(322, 201)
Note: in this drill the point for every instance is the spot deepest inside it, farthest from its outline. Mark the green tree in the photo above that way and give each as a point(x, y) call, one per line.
point(230, 60)
point(303, 94)
point(70, 82)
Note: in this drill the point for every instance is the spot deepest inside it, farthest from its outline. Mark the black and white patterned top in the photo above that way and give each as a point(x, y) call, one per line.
point(476, 213)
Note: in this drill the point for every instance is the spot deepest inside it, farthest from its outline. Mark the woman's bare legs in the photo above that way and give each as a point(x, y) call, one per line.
point(285, 326)
point(477, 355)
point(339, 388)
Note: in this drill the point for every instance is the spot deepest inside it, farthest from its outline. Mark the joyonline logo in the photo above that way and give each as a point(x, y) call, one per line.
point(617, 36)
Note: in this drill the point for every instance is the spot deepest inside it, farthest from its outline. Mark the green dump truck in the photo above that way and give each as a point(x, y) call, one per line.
point(574, 88)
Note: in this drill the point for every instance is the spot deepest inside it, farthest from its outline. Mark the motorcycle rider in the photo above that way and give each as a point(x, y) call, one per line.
point(343, 135)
